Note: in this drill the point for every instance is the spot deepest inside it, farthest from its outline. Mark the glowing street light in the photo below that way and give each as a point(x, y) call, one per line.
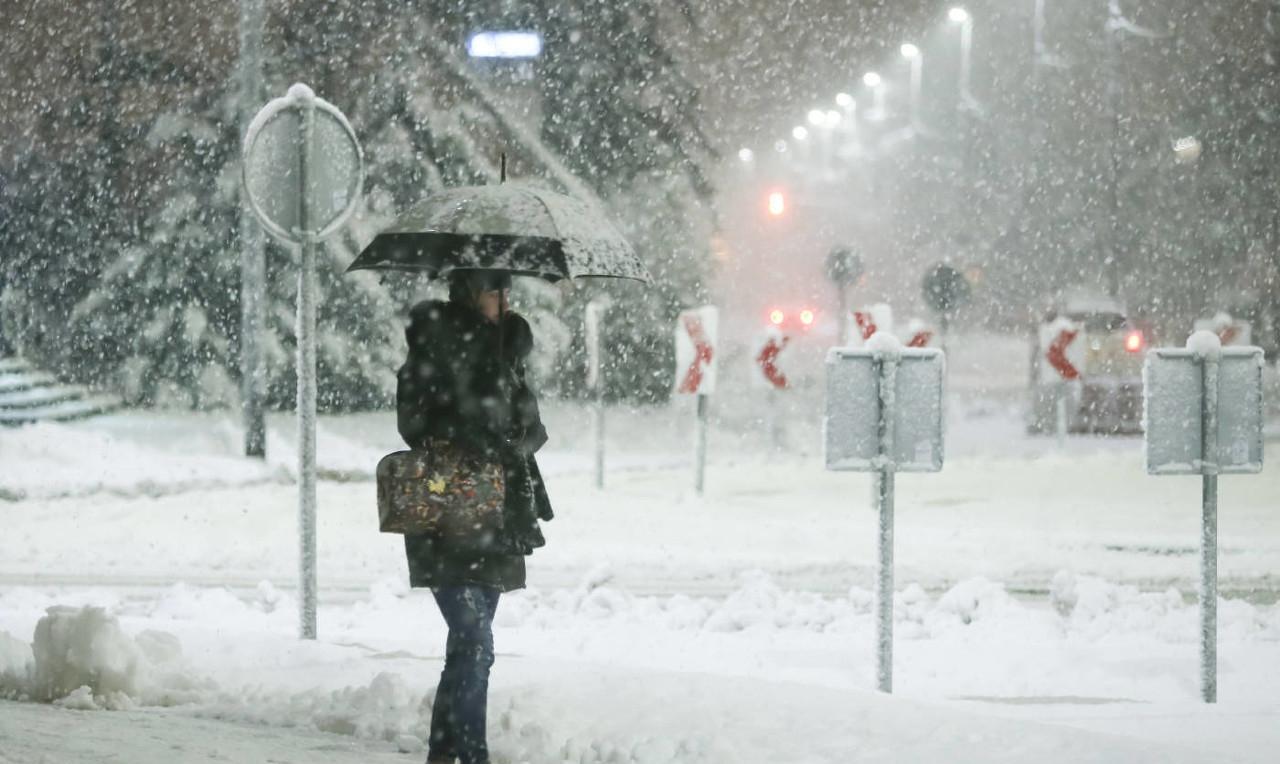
point(909, 51)
point(871, 80)
point(746, 155)
point(799, 132)
point(958, 15)
point(816, 117)
point(845, 101)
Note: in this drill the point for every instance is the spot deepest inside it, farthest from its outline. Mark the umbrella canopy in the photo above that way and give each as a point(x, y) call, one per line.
point(515, 227)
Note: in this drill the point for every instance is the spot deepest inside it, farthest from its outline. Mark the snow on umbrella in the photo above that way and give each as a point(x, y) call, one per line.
point(514, 227)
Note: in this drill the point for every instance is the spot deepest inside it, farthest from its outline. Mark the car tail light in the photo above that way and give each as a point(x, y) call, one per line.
point(777, 203)
point(1133, 341)
point(806, 317)
point(776, 317)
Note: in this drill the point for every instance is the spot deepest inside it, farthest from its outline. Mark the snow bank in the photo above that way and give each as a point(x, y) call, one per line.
point(16, 667)
point(81, 658)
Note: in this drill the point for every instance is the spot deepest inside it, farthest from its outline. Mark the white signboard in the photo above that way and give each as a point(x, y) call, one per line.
point(856, 396)
point(1174, 398)
point(696, 352)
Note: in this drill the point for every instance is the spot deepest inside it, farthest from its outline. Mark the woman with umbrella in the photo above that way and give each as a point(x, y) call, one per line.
point(464, 383)
point(463, 387)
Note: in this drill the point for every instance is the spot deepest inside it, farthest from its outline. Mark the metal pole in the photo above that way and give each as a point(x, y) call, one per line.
point(700, 447)
point(884, 502)
point(842, 310)
point(966, 48)
point(1209, 536)
point(594, 325)
point(917, 71)
point(884, 583)
point(1111, 252)
point(253, 267)
point(1061, 406)
point(306, 392)
point(599, 423)
point(775, 418)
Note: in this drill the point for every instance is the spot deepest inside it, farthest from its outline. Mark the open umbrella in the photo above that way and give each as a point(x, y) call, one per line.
point(514, 227)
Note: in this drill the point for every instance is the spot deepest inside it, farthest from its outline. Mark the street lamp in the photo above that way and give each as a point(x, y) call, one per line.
point(817, 117)
point(799, 132)
point(871, 80)
point(1186, 150)
point(916, 59)
point(960, 16)
point(845, 101)
point(746, 155)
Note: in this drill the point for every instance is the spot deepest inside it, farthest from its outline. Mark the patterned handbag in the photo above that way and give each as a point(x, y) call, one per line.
point(446, 491)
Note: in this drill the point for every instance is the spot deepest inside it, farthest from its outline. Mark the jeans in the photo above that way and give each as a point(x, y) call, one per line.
point(458, 716)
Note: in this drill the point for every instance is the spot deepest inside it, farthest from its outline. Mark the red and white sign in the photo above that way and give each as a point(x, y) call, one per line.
point(768, 359)
point(866, 324)
point(868, 321)
point(1231, 332)
point(696, 332)
point(1062, 352)
point(919, 334)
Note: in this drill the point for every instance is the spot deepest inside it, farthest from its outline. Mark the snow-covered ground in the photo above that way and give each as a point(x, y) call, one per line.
point(1045, 607)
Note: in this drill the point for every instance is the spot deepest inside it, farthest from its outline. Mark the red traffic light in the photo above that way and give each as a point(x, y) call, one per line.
point(1133, 341)
point(806, 317)
point(776, 317)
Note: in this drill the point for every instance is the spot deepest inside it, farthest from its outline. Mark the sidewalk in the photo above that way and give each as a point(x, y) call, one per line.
point(32, 733)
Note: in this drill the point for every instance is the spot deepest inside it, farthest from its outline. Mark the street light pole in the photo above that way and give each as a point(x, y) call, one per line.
point(965, 20)
point(916, 59)
point(1111, 250)
point(253, 268)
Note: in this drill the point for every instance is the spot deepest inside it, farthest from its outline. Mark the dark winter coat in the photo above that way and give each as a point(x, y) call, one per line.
point(464, 381)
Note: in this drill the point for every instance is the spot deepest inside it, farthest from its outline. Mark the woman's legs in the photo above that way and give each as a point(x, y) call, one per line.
point(458, 716)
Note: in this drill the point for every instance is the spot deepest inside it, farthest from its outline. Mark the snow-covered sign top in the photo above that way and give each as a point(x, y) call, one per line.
point(273, 161)
point(516, 226)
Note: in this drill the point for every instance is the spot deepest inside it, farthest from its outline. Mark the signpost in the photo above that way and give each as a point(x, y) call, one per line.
point(884, 415)
point(303, 172)
point(595, 312)
point(1203, 416)
point(696, 332)
point(1063, 359)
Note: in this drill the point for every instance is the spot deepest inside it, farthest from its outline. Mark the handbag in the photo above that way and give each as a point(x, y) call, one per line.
point(448, 492)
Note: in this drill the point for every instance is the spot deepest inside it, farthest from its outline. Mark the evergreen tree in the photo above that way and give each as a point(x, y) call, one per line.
point(621, 111)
